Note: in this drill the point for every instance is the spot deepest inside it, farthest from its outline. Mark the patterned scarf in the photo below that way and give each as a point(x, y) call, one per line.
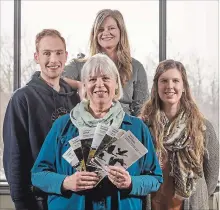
point(184, 168)
point(81, 117)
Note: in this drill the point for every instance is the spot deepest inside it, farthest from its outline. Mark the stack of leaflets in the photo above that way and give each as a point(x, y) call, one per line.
point(97, 148)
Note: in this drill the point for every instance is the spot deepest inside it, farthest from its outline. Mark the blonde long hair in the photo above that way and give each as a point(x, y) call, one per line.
point(123, 49)
point(150, 111)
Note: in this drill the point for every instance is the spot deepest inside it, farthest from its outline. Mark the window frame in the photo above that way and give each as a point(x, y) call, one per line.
point(4, 187)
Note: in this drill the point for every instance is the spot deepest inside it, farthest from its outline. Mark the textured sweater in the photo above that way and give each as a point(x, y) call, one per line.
point(135, 92)
point(206, 185)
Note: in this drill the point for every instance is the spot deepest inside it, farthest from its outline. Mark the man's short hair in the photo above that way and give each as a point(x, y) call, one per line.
point(48, 32)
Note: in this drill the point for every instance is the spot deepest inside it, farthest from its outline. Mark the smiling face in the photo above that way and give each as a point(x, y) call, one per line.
point(51, 57)
point(108, 34)
point(170, 88)
point(100, 89)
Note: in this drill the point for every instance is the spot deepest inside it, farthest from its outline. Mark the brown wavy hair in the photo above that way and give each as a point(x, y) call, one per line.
point(123, 49)
point(150, 111)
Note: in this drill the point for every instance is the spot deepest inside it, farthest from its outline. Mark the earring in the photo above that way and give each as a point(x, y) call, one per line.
point(183, 90)
point(116, 91)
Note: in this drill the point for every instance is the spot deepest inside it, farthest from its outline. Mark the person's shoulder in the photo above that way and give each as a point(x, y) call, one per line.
point(207, 123)
point(77, 62)
point(21, 93)
point(134, 120)
point(209, 129)
point(62, 121)
point(136, 63)
point(74, 67)
point(136, 125)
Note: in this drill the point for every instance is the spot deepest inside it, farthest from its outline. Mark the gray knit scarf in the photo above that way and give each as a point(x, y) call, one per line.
point(184, 168)
point(81, 117)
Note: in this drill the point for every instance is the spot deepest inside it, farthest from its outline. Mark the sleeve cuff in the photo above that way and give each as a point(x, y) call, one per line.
point(143, 185)
point(57, 183)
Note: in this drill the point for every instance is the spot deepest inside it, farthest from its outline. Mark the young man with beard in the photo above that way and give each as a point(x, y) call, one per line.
point(29, 116)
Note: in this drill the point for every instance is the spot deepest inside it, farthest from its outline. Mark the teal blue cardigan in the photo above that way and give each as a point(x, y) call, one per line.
point(50, 169)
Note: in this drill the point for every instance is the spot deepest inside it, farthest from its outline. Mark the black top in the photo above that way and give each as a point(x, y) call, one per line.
point(30, 114)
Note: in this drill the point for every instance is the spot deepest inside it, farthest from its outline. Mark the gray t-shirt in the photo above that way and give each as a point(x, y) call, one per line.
point(135, 92)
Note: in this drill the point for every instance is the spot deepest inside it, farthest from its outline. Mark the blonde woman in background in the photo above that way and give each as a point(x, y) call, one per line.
point(109, 36)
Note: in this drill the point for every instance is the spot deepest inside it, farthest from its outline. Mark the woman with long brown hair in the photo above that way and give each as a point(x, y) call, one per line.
point(109, 36)
point(185, 142)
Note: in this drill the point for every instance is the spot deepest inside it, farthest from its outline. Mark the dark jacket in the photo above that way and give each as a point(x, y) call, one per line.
point(30, 114)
